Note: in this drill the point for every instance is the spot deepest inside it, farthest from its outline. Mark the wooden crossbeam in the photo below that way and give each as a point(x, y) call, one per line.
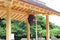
point(17, 16)
point(35, 8)
point(23, 16)
point(31, 7)
point(1, 14)
point(25, 7)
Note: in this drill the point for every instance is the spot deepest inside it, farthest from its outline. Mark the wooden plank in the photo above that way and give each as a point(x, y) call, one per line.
point(3, 16)
point(19, 15)
point(15, 16)
point(24, 17)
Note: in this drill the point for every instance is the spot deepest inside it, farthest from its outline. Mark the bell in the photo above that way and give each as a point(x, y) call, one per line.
point(32, 20)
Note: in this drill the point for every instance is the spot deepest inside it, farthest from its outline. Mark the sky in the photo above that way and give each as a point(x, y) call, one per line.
point(55, 19)
point(54, 4)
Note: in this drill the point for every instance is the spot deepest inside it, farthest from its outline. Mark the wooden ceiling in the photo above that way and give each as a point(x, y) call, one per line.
point(21, 10)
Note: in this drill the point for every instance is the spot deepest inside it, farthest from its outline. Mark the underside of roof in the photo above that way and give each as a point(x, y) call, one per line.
point(39, 4)
point(21, 9)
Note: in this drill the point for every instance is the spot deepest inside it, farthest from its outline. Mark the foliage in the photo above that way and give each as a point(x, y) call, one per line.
point(41, 21)
point(2, 32)
point(43, 33)
point(55, 32)
point(19, 28)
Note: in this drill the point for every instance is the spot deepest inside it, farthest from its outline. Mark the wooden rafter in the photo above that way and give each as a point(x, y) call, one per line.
point(19, 6)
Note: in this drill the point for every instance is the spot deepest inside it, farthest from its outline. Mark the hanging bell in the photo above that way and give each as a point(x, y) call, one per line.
point(32, 20)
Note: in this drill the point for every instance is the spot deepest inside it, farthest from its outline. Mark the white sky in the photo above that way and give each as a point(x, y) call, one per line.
point(54, 4)
point(55, 19)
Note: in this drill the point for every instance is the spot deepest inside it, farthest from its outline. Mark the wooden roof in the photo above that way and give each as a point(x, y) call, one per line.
point(39, 4)
point(20, 10)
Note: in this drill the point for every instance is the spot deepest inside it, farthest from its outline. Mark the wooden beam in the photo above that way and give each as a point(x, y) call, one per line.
point(15, 0)
point(8, 23)
point(32, 7)
point(24, 7)
point(3, 16)
point(24, 18)
point(15, 16)
point(28, 30)
point(25, 14)
point(35, 8)
point(47, 27)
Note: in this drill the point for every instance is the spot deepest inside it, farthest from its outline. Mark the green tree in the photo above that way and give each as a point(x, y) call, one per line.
point(19, 28)
point(55, 32)
point(2, 32)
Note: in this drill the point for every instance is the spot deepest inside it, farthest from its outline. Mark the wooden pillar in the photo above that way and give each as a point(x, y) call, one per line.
point(28, 30)
point(36, 29)
point(8, 23)
point(47, 27)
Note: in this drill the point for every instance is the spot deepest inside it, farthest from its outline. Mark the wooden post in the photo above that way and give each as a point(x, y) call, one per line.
point(36, 29)
point(28, 30)
point(8, 23)
point(47, 27)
